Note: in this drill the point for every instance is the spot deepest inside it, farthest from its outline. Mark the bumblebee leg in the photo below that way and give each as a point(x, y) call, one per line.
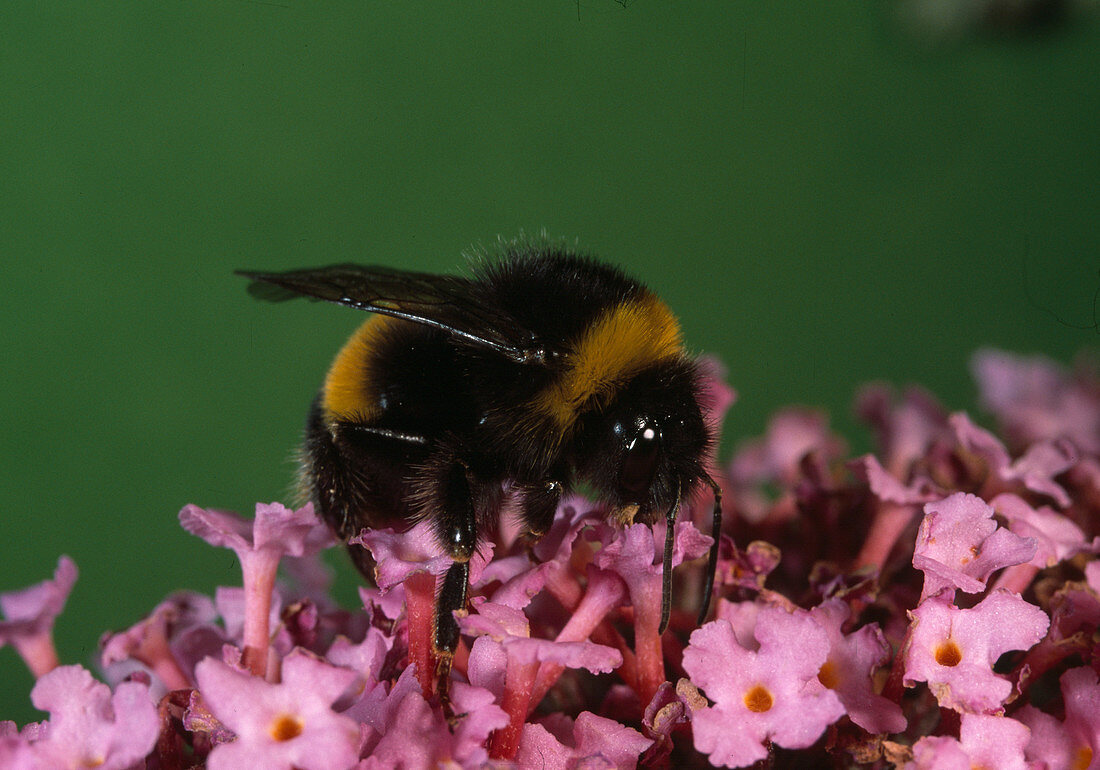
point(456, 519)
point(456, 528)
point(451, 597)
point(666, 570)
point(540, 503)
point(712, 559)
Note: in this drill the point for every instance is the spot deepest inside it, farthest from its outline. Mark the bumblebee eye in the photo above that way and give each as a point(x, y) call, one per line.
point(640, 462)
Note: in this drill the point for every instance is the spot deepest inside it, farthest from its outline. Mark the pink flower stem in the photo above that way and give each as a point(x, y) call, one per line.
point(38, 652)
point(259, 583)
point(889, 523)
point(647, 645)
point(519, 679)
point(563, 586)
point(895, 682)
point(420, 607)
point(607, 635)
point(156, 653)
point(605, 592)
point(1017, 578)
point(461, 660)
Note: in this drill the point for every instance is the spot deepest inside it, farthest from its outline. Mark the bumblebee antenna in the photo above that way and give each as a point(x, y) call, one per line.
point(666, 570)
point(712, 560)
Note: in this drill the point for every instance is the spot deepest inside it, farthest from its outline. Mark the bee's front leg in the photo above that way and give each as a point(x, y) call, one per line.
point(540, 503)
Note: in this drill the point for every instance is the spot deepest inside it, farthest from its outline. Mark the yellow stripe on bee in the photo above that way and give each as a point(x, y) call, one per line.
point(350, 391)
point(624, 340)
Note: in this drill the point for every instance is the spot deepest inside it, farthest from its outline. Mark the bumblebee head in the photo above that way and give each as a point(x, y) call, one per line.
point(646, 448)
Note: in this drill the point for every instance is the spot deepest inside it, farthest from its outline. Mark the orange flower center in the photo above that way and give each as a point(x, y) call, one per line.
point(285, 727)
point(828, 675)
point(758, 699)
point(949, 654)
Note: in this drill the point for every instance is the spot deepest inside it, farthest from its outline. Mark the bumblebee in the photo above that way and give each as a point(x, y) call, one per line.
point(544, 369)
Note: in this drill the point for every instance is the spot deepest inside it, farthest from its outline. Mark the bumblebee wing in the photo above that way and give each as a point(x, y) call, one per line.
point(447, 302)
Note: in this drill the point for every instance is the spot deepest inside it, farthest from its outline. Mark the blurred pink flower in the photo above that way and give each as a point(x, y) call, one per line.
point(984, 741)
point(29, 616)
point(1075, 743)
point(89, 726)
point(595, 742)
point(1034, 470)
point(1037, 400)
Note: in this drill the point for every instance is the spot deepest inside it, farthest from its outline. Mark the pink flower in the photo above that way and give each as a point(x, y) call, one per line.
point(596, 742)
point(671, 707)
point(403, 730)
point(907, 433)
point(232, 606)
point(398, 554)
point(984, 741)
point(603, 593)
point(1050, 744)
point(791, 435)
point(716, 396)
point(276, 531)
point(150, 640)
point(89, 726)
point(408, 568)
point(505, 660)
point(1074, 620)
point(29, 616)
point(887, 488)
point(954, 650)
point(365, 658)
point(747, 568)
point(281, 726)
point(357, 687)
point(1036, 400)
point(904, 430)
point(1081, 695)
point(1075, 743)
point(556, 549)
point(1092, 575)
point(1058, 538)
point(960, 545)
point(770, 694)
point(849, 669)
point(1034, 471)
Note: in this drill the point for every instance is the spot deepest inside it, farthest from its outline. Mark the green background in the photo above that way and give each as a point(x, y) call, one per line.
point(822, 197)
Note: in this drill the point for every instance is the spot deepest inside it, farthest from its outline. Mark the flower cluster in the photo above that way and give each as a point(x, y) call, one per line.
point(935, 605)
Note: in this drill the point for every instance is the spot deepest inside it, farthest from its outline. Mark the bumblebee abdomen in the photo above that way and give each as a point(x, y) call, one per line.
point(351, 389)
point(398, 375)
